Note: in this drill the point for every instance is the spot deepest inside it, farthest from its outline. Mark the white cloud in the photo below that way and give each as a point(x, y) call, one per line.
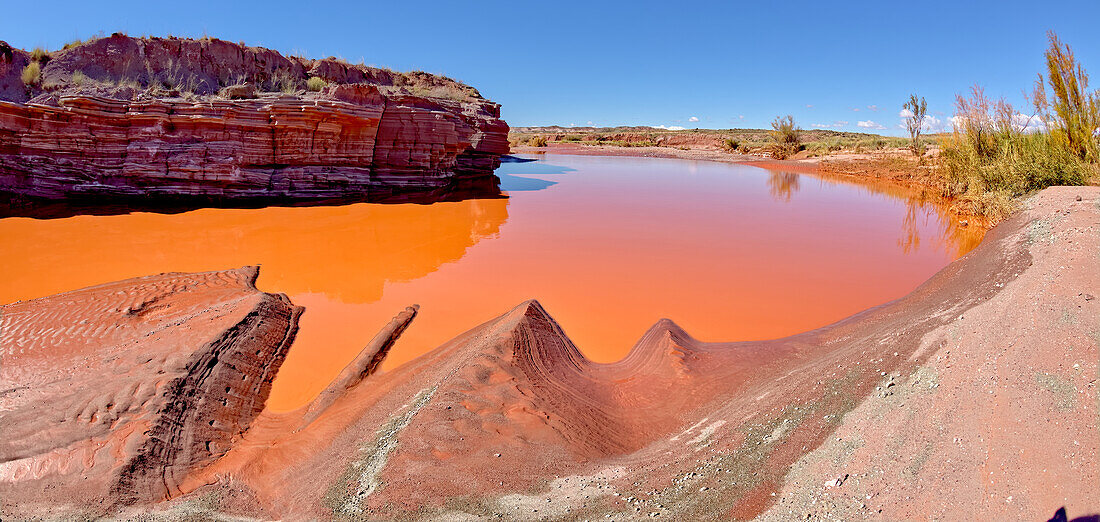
point(670, 127)
point(834, 125)
point(1021, 122)
point(1028, 123)
point(868, 124)
point(740, 116)
point(931, 123)
point(855, 109)
point(809, 106)
point(873, 108)
point(693, 118)
point(589, 123)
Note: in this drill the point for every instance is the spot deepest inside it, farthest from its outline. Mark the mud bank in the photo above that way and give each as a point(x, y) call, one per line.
point(123, 118)
point(976, 393)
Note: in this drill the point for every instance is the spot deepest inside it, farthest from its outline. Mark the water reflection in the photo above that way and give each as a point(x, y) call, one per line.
point(925, 214)
point(329, 259)
point(15, 205)
point(782, 185)
point(511, 183)
point(608, 245)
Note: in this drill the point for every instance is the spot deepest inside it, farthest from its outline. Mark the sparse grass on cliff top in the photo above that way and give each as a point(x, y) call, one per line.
point(168, 73)
point(40, 55)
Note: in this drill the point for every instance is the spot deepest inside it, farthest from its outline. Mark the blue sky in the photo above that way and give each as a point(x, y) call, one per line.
point(726, 64)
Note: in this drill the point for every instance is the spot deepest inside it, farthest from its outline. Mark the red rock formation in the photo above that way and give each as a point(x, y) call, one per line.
point(114, 393)
point(510, 419)
point(105, 137)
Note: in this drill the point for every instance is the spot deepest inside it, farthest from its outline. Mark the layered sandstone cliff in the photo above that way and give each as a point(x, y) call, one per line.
point(126, 117)
point(974, 394)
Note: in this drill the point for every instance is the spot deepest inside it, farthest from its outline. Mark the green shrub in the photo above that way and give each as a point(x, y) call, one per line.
point(32, 74)
point(537, 141)
point(315, 84)
point(730, 144)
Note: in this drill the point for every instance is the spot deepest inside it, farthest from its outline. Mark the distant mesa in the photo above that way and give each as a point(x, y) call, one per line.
point(192, 121)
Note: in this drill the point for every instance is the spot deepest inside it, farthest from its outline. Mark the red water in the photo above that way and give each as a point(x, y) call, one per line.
point(607, 245)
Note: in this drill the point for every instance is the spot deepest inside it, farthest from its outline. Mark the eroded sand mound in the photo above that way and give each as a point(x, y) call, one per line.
point(112, 394)
point(975, 394)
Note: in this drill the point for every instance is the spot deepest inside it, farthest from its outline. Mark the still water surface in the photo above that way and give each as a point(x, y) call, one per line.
point(607, 245)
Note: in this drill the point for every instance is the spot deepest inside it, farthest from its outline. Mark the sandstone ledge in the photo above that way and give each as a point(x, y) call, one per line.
point(121, 134)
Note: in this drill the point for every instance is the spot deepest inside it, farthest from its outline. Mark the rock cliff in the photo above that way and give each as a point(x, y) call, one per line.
point(122, 117)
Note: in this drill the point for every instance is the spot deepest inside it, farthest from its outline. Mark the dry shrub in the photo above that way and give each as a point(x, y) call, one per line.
point(786, 137)
point(32, 74)
point(1072, 113)
point(315, 84)
point(990, 158)
point(40, 55)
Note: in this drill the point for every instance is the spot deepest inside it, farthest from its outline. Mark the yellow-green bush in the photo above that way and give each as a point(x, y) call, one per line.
point(32, 74)
point(315, 84)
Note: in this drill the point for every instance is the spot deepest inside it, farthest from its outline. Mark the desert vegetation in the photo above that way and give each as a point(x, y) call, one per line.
point(40, 55)
point(315, 84)
point(786, 137)
point(759, 142)
point(996, 154)
point(32, 74)
point(915, 110)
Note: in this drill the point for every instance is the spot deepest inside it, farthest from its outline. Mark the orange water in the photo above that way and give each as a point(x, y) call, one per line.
point(608, 245)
